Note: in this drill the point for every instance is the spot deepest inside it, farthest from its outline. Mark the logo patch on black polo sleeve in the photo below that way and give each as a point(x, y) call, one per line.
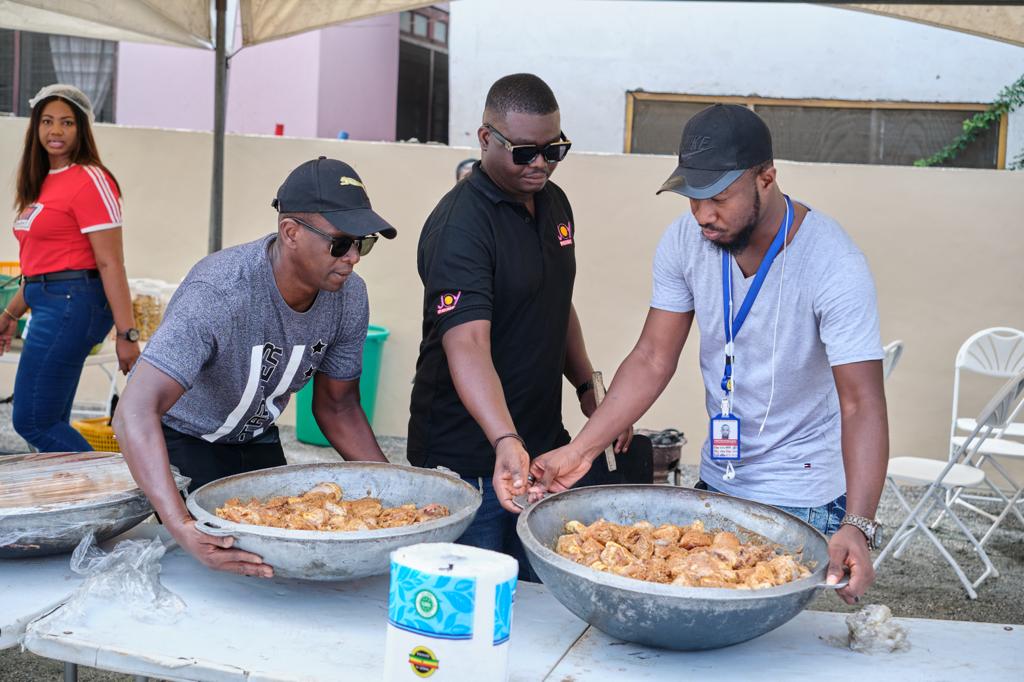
point(448, 302)
point(565, 234)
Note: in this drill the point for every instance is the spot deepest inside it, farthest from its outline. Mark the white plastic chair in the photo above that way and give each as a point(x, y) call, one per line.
point(941, 477)
point(893, 353)
point(994, 352)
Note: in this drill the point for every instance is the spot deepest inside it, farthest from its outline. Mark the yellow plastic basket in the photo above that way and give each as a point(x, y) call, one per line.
point(98, 433)
point(9, 282)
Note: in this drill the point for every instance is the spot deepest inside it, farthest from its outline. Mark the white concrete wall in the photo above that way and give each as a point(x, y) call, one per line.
point(944, 245)
point(591, 53)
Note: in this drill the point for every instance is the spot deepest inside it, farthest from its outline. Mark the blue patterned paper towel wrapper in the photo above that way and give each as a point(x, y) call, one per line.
point(442, 607)
point(433, 605)
point(449, 613)
point(504, 597)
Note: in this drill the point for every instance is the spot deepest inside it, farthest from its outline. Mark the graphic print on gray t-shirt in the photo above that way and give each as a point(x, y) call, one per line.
point(828, 316)
point(240, 351)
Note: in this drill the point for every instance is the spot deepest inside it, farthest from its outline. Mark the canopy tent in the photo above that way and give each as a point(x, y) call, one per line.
point(997, 22)
point(183, 22)
point(188, 23)
point(193, 23)
point(205, 23)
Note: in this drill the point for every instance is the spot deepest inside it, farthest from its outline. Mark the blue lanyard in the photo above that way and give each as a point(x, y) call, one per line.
point(733, 325)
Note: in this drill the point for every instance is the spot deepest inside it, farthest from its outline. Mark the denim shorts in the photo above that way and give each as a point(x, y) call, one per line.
point(825, 518)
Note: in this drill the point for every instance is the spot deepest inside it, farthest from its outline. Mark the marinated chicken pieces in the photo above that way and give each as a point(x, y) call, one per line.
point(321, 508)
point(679, 555)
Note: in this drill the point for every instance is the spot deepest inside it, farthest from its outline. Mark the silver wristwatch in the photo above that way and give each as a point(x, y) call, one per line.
point(872, 529)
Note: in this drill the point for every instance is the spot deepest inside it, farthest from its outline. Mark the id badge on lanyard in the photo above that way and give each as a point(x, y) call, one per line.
point(725, 437)
point(724, 429)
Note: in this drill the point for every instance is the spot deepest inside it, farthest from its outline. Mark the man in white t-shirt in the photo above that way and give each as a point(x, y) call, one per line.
point(795, 373)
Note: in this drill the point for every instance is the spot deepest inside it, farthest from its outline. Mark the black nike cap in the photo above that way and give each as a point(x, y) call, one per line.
point(333, 189)
point(719, 143)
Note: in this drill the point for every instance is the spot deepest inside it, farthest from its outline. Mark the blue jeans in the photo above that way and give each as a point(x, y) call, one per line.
point(69, 317)
point(825, 518)
point(494, 528)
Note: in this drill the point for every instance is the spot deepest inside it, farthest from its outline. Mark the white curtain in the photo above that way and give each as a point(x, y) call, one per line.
point(86, 63)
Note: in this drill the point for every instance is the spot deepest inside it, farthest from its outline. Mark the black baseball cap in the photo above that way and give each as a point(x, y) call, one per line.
point(334, 190)
point(719, 143)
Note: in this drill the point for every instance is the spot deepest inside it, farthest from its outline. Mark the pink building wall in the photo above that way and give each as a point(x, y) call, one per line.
point(316, 83)
point(165, 87)
point(275, 82)
point(358, 81)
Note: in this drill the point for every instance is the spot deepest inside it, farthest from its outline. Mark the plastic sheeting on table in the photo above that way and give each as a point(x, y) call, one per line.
point(50, 501)
point(129, 575)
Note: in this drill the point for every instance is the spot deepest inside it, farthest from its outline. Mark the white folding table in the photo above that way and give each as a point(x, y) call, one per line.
point(811, 647)
point(237, 628)
point(28, 589)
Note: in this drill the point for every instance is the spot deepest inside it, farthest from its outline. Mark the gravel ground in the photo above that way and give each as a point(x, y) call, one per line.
point(918, 585)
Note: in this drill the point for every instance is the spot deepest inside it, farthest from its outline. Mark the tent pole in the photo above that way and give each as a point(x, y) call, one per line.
point(219, 111)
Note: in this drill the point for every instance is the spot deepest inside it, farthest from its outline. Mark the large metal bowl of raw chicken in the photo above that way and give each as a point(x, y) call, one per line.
point(352, 550)
point(672, 616)
point(50, 501)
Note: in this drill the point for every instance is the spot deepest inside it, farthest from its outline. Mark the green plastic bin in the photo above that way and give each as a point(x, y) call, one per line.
point(8, 289)
point(306, 429)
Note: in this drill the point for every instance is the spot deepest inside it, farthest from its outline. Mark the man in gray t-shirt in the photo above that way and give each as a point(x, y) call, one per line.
point(248, 327)
point(789, 346)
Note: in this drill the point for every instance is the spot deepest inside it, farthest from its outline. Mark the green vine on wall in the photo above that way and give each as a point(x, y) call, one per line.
point(1010, 98)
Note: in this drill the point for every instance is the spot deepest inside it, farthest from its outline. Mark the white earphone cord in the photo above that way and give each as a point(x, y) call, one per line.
point(730, 471)
point(732, 393)
point(775, 333)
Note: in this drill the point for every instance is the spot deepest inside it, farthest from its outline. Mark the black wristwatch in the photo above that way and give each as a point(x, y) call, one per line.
point(130, 334)
point(583, 388)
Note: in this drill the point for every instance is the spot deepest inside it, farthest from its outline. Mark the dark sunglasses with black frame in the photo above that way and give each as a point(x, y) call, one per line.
point(524, 154)
point(341, 245)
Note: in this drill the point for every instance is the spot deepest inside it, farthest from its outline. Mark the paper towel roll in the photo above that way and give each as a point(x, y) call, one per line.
point(449, 613)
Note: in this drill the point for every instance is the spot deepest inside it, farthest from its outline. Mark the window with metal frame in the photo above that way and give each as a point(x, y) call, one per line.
point(29, 61)
point(825, 131)
point(422, 112)
point(427, 24)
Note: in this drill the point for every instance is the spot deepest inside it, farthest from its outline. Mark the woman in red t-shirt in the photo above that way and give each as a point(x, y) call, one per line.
point(68, 227)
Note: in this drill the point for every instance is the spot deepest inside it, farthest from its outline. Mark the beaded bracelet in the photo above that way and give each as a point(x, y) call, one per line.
point(507, 435)
point(583, 388)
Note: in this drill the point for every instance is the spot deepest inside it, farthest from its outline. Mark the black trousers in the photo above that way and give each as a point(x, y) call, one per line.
point(635, 465)
point(203, 461)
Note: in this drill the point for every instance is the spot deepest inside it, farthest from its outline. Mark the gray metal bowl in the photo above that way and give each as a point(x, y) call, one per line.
point(58, 531)
point(342, 555)
point(58, 528)
point(667, 616)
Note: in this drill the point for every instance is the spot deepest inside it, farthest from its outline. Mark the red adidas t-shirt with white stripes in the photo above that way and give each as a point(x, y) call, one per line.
point(52, 232)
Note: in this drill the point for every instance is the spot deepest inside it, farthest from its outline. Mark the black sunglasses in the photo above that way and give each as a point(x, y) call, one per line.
point(524, 154)
point(341, 245)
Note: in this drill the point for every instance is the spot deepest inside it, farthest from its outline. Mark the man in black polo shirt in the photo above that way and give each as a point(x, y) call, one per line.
point(497, 261)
